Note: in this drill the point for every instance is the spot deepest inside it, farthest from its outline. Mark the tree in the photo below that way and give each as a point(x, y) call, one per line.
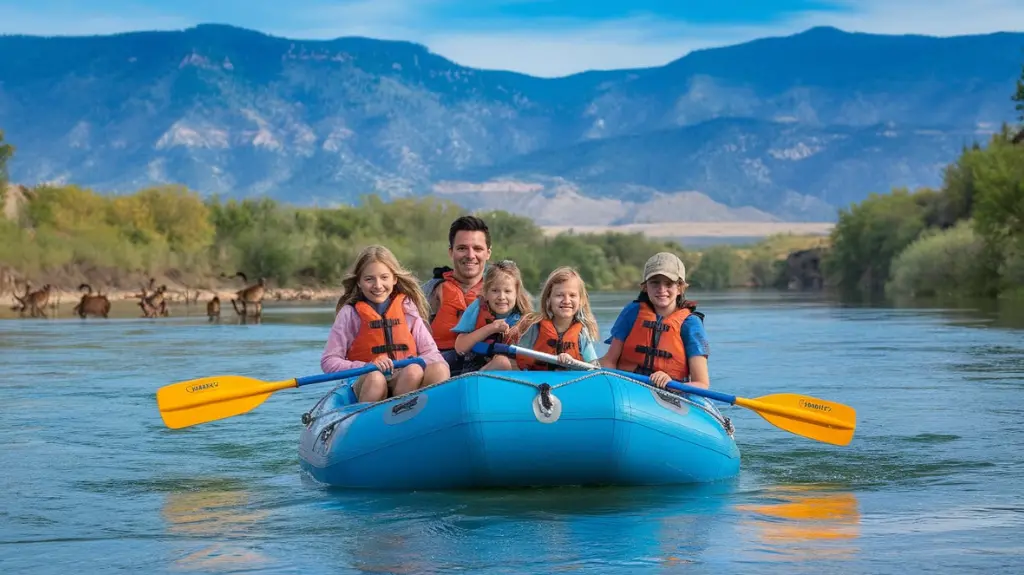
point(999, 180)
point(719, 267)
point(6, 151)
point(868, 236)
point(1019, 98)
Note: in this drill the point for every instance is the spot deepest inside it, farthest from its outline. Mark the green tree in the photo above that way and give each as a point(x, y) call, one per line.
point(1018, 96)
point(720, 267)
point(268, 253)
point(999, 212)
point(6, 152)
point(999, 180)
point(507, 230)
point(180, 216)
point(940, 263)
point(868, 236)
point(955, 201)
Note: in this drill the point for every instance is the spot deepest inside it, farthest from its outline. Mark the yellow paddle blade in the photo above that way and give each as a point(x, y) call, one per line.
point(818, 419)
point(210, 398)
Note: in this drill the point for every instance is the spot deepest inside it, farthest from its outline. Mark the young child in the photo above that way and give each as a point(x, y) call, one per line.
point(379, 320)
point(564, 326)
point(660, 334)
point(490, 317)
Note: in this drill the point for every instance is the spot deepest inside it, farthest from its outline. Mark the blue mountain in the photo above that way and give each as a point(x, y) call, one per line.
point(784, 128)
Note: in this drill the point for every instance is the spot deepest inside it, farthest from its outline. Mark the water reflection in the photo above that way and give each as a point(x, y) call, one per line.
point(219, 521)
point(803, 524)
point(967, 312)
point(535, 530)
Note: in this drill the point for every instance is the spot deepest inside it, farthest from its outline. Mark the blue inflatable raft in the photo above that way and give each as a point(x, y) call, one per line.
point(518, 429)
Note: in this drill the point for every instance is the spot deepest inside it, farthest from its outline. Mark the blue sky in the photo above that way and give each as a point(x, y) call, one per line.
point(540, 37)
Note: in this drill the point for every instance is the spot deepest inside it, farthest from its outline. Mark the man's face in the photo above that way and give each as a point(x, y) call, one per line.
point(469, 253)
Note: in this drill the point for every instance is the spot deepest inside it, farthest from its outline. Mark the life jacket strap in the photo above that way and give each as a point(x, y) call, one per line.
point(389, 348)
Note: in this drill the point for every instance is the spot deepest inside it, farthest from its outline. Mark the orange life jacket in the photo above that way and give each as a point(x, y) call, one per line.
point(548, 341)
point(452, 305)
point(485, 317)
point(656, 344)
point(388, 334)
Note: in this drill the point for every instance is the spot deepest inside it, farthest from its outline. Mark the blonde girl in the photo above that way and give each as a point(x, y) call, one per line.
point(378, 288)
point(564, 326)
point(490, 318)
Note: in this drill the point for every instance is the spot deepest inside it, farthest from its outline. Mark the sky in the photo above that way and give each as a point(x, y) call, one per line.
point(545, 38)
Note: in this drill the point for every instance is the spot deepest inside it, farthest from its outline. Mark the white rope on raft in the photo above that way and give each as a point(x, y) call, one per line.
point(722, 420)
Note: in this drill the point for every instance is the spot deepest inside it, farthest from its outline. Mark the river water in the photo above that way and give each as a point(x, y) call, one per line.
point(93, 482)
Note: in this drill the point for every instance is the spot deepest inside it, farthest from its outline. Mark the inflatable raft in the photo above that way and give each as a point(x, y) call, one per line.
point(518, 429)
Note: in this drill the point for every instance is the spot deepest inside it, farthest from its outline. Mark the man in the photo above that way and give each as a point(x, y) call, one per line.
point(453, 288)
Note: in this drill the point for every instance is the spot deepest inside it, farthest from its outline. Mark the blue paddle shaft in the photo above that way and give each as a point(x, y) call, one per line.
point(484, 348)
point(322, 377)
point(730, 399)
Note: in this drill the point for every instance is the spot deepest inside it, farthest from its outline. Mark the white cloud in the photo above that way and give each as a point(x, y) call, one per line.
point(74, 22)
point(559, 47)
point(930, 17)
point(549, 47)
point(631, 43)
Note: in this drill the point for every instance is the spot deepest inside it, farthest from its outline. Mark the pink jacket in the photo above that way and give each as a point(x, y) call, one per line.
point(346, 326)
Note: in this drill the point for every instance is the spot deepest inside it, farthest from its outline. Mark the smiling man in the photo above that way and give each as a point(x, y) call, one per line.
point(453, 289)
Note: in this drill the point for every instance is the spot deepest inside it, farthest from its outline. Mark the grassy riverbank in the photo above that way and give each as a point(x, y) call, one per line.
point(67, 235)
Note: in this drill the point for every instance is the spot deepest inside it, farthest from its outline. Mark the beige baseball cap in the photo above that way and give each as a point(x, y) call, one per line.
point(666, 264)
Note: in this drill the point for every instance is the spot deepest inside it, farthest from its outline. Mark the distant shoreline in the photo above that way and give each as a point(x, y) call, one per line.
point(125, 303)
point(704, 229)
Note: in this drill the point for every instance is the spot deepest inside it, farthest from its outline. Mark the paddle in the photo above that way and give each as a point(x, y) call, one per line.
point(818, 419)
point(221, 396)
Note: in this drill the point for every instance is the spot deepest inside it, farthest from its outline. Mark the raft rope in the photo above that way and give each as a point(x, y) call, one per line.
point(544, 389)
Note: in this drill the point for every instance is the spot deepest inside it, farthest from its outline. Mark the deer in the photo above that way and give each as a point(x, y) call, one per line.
point(213, 308)
point(252, 294)
point(155, 303)
point(33, 301)
point(97, 305)
point(21, 306)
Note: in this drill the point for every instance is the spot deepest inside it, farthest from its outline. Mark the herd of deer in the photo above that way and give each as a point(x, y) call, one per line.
point(152, 300)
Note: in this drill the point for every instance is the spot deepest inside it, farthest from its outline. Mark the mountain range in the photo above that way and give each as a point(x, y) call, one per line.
point(776, 129)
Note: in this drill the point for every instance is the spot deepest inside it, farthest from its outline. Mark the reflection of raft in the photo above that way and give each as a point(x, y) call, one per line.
point(495, 429)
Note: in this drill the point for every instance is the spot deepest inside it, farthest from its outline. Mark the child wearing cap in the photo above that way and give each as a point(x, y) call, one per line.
point(660, 334)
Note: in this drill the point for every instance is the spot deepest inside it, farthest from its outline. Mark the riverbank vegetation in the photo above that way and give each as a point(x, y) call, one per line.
point(67, 234)
point(965, 239)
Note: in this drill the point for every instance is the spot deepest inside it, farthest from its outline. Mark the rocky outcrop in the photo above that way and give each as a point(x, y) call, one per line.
point(14, 198)
point(803, 270)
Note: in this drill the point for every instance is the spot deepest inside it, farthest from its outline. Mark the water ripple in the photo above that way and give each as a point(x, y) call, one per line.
point(94, 482)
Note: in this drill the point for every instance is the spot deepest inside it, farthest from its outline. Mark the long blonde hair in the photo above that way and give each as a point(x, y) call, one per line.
point(405, 281)
point(583, 315)
point(507, 268)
